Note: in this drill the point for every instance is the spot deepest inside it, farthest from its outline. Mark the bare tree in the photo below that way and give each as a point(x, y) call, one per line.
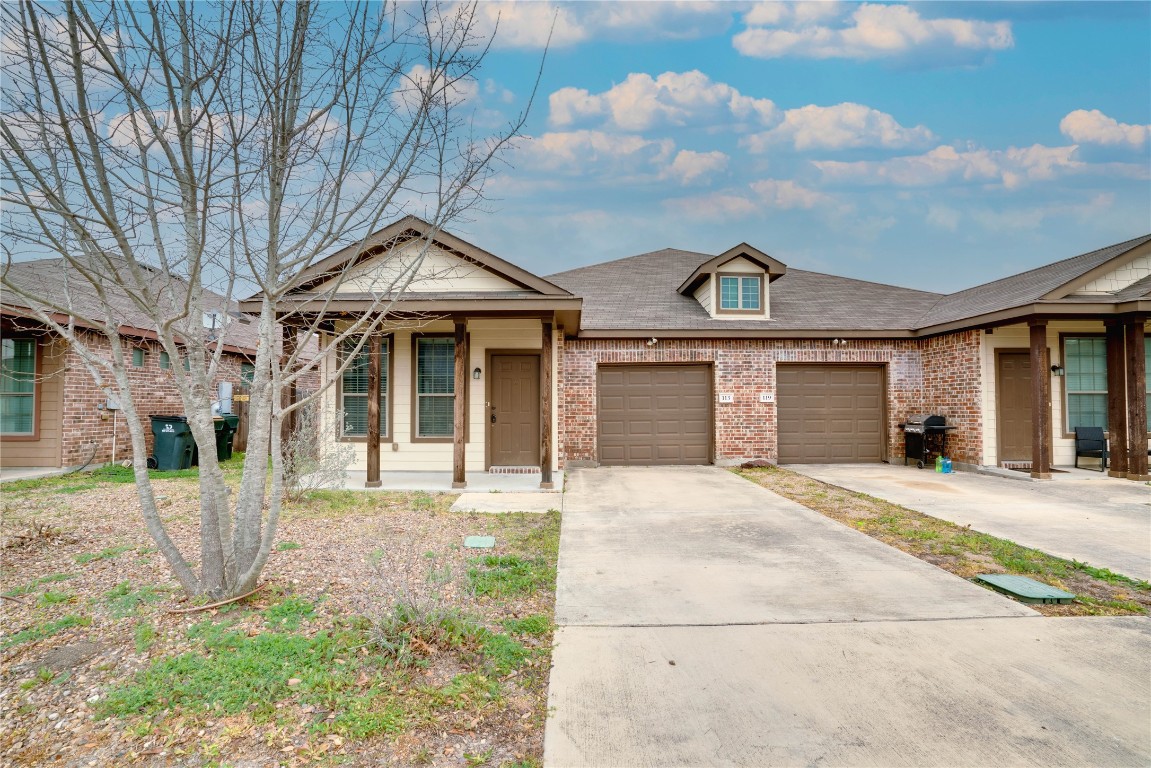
point(177, 149)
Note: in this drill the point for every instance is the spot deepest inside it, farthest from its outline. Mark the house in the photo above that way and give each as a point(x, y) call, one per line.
point(52, 414)
point(675, 357)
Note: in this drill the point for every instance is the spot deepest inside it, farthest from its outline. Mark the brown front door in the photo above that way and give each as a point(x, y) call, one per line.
point(514, 413)
point(829, 414)
point(1013, 392)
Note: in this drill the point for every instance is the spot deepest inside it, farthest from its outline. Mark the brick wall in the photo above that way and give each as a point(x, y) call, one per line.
point(952, 385)
point(937, 375)
point(84, 423)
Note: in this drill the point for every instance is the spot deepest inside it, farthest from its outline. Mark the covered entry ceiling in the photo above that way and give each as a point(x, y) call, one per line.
point(830, 414)
point(654, 414)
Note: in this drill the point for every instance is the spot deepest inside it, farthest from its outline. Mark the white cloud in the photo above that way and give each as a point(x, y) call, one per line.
point(582, 151)
point(943, 217)
point(420, 85)
point(840, 126)
point(676, 98)
point(1011, 167)
point(689, 166)
point(526, 25)
point(871, 31)
point(786, 194)
point(721, 206)
point(1094, 127)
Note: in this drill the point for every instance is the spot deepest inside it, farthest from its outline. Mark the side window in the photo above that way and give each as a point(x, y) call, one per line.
point(354, 389)
point(18, 387)
point(1085, 363)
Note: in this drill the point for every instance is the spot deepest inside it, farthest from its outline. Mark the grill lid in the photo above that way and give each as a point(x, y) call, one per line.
point(925, 420)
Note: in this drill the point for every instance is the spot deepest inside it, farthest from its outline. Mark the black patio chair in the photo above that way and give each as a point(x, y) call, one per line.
point(1091, 444)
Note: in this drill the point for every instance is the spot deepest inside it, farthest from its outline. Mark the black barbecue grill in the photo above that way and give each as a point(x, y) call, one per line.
point(925, 437)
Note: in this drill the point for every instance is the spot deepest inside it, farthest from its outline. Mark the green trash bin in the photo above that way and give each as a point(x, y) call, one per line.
point(220, 425)
point(173, 442)
point(225, 436)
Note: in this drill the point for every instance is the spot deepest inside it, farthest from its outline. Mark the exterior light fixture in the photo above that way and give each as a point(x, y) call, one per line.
point(652, 341)
point(1058, 370)
point(476, 374)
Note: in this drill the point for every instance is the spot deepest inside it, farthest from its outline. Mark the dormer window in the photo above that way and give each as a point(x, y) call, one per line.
point(741, 293)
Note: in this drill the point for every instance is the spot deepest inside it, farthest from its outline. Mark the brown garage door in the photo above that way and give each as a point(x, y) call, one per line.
point(830, 414)
point(655, 414)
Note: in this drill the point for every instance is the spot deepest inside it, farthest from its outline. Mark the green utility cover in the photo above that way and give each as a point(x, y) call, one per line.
point(479, 542)
point(1027, 590)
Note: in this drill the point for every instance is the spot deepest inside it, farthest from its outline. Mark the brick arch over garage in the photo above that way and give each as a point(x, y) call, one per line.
point(938, 375)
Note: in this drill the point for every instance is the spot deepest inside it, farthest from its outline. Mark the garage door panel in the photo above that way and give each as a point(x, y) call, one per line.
point(663, 414)
point(829, 413)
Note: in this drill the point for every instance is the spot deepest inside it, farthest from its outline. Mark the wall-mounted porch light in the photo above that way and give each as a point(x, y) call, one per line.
point(1057, 370)
point(476, 374)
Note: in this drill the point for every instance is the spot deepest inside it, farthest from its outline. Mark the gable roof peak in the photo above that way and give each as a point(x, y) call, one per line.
point(774, 268)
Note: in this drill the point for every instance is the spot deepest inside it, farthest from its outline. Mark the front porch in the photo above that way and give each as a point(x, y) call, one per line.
point(443, 481)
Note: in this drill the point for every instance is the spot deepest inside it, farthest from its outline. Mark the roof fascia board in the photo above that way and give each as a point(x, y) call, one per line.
point(774, 268)
point(744, 333)
point(1052, 311)
point(511, 306)
point(1110, 265)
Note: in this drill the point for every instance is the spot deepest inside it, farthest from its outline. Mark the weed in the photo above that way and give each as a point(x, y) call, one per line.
point(285, 546)
point(145, 636)
point(509, 575)
point(288, 613)
point(43, 676)
point(47, 629)
point(477, 760)
point(502, 654)
point(123, 601)
point(527, 763)
point(54, 598)
point(536, 626)
point(76, 488)
point(35, 584)
point(114, 473)
point(104, 554)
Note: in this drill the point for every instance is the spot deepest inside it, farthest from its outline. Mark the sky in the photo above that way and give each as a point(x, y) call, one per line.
point(930, 145)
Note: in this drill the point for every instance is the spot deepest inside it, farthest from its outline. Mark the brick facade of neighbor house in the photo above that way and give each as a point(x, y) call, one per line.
point(86, 425)
point(939, 375)
point(953, 387)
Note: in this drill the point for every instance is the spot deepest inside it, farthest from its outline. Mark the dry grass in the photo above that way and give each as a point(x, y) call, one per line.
point(960, 550)
point(87, 616)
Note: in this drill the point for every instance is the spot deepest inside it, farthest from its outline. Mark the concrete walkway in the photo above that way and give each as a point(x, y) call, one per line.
point(706, 621)
point(1083, 516)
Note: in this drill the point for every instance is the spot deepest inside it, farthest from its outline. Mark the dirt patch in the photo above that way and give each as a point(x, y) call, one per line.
point(959, 549)
point(92, 612)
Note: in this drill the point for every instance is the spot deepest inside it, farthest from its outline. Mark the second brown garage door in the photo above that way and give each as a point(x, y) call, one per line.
point(654, 414)
point(830, 414)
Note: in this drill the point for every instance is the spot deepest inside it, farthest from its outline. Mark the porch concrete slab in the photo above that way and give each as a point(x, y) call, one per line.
point(478, 482)
point(508, 502)
point(1098, 520)
point(702, 546)
point(1043, 692)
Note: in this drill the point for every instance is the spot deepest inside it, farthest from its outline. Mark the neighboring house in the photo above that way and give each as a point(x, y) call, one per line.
point(52, 414)
point(673, 357)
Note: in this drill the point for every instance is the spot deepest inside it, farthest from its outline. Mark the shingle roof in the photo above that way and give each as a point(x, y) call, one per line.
point(1023, 288)
point(639, 293)
point(54, 278)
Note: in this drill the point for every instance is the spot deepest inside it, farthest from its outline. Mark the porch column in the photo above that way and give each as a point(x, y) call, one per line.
point(1116, 399)
point(373, 480)
point(546, 407)
point(461, 410)
point(1136, 401)
point(288, 394)
point(1040, 401)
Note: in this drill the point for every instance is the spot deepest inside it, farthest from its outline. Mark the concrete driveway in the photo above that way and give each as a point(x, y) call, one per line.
point(706, 621)
point(1084, 516)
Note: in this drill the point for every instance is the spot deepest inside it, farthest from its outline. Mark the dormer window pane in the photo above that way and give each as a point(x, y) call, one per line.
point(740, 293)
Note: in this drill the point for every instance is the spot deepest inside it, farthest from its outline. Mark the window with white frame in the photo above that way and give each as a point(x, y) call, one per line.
point(435, 387)
point(354, 388)
point(738, 293)
point(18, 387)
point(1085, 366)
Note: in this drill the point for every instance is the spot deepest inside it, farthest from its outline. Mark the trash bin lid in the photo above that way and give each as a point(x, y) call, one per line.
point(169, 418)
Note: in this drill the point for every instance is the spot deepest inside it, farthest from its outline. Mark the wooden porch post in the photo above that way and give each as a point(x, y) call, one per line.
point(1136, 401)
point(1116, 399)
point(288, 394)
point(373, 480)
point(461, 410)
point(1040, 401)
point(546, 407)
